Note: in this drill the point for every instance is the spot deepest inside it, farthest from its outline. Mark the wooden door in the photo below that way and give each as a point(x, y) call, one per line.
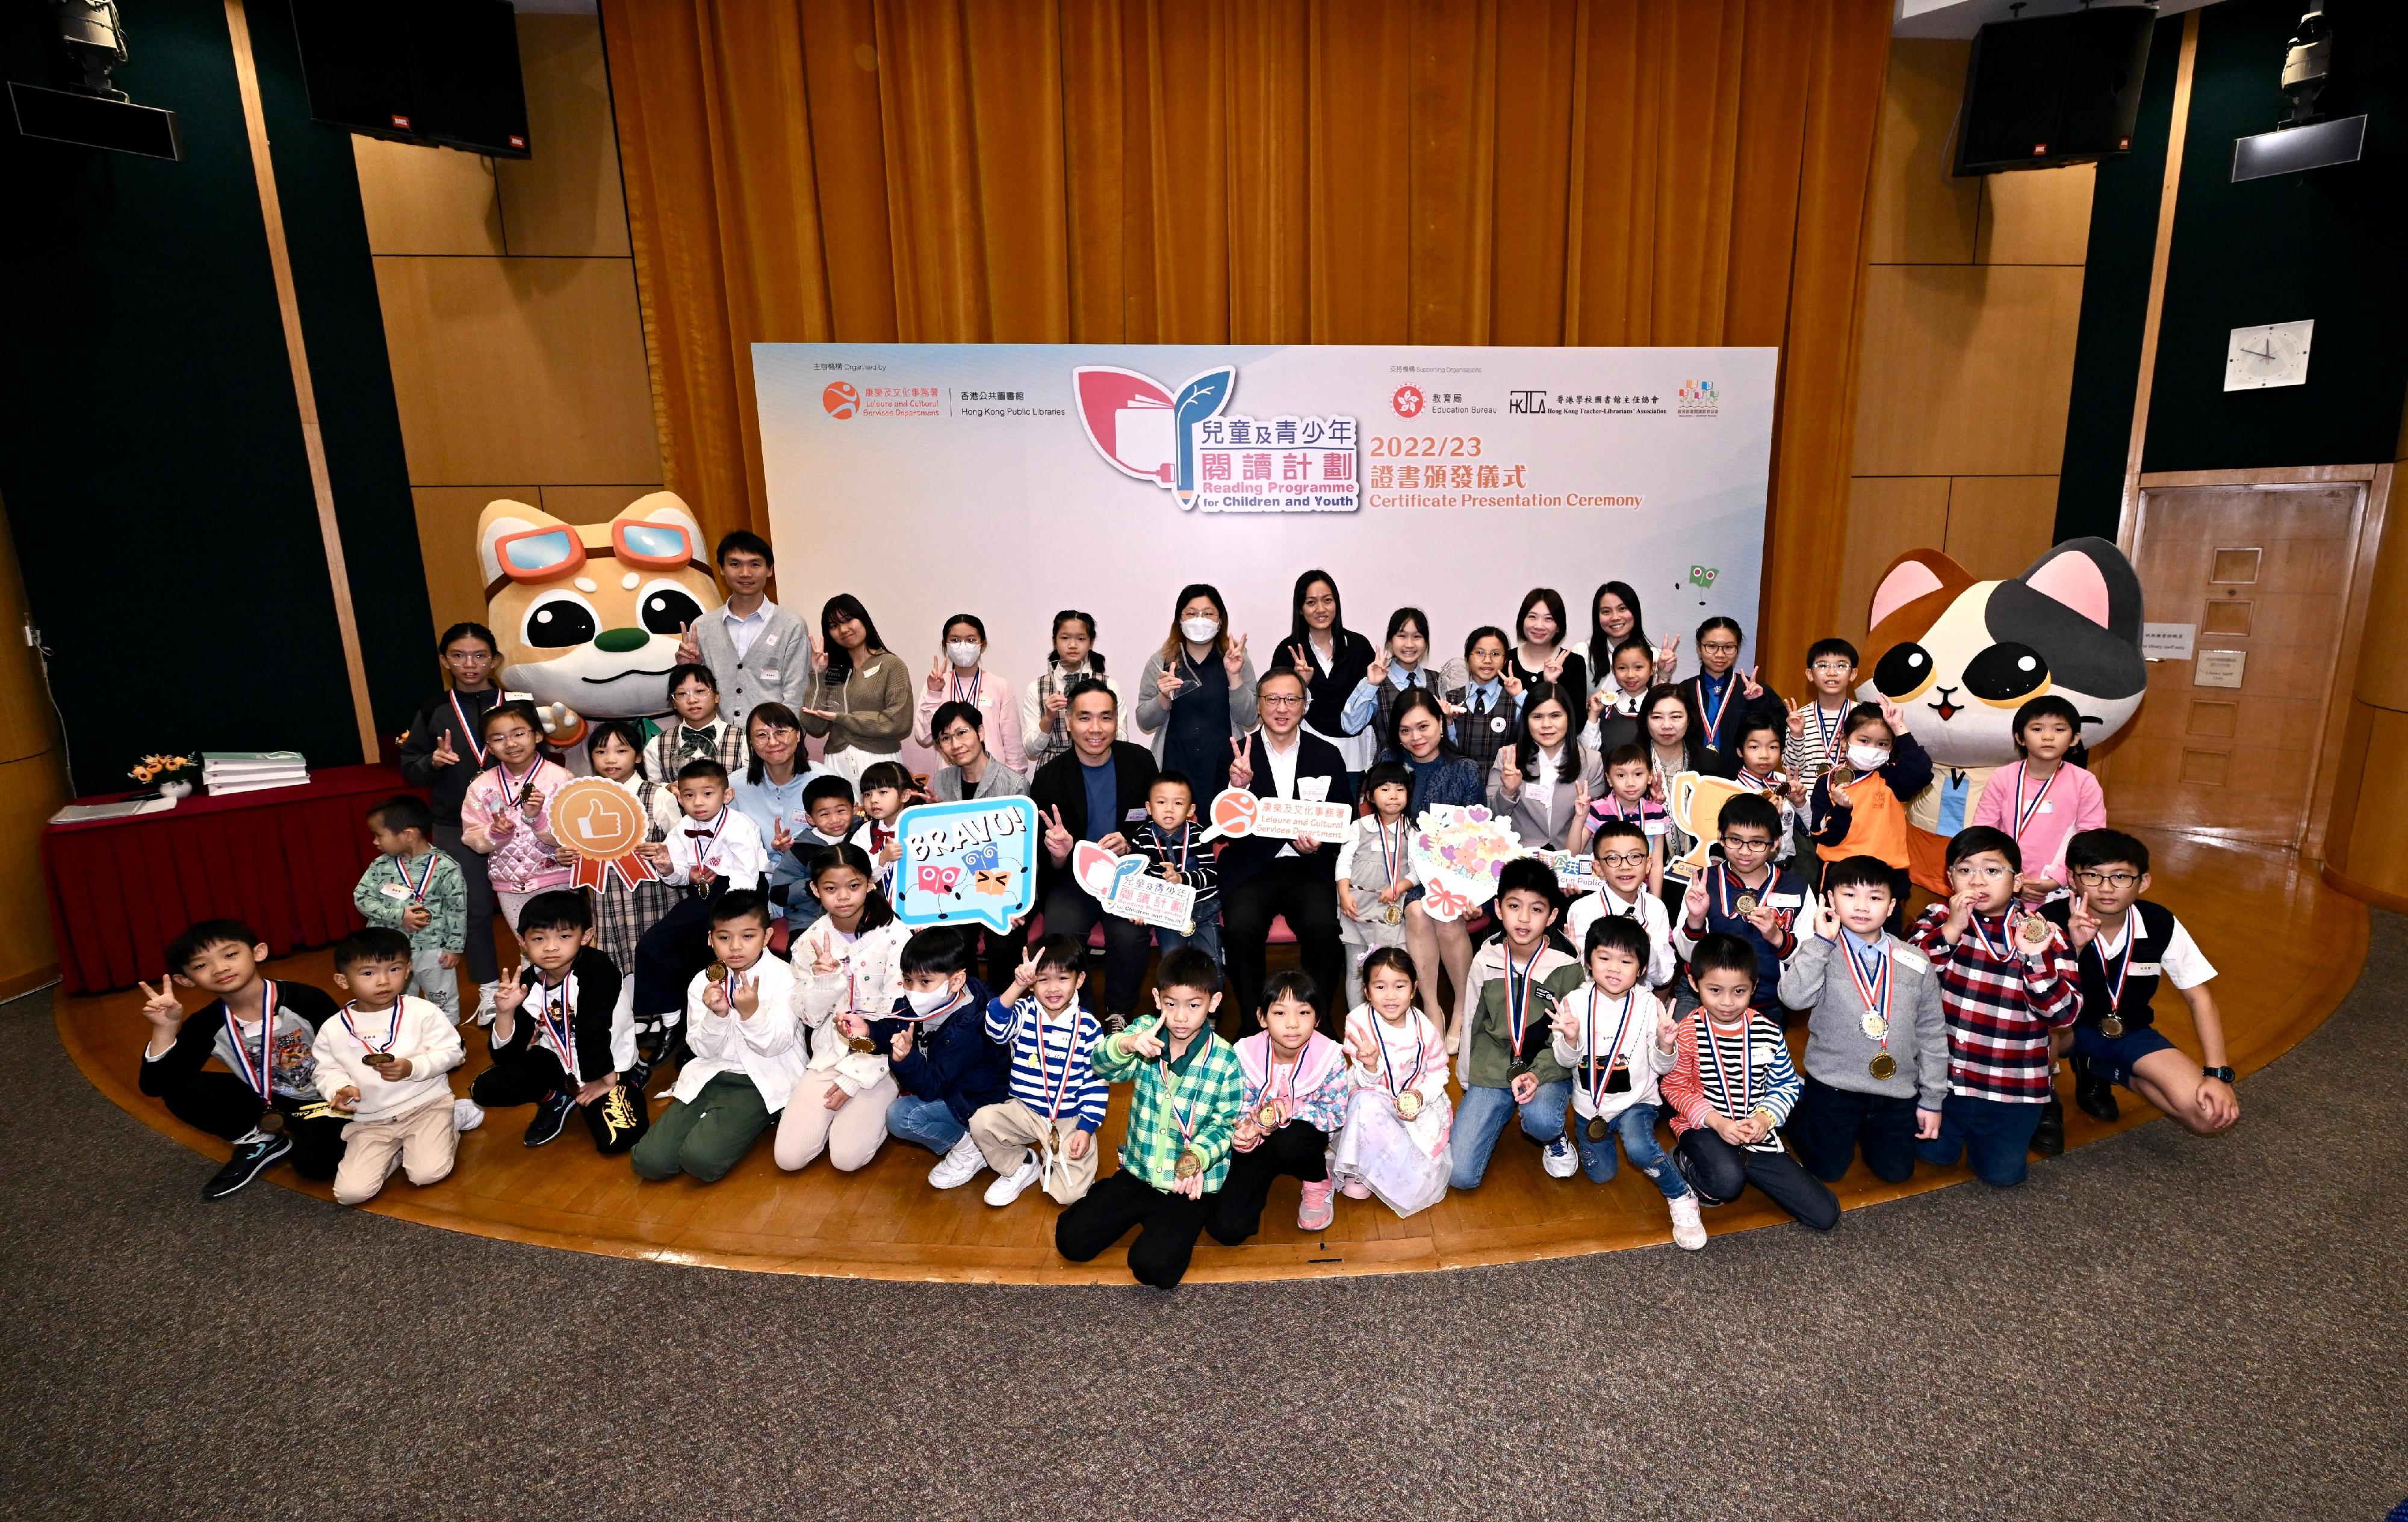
point(2263, 575)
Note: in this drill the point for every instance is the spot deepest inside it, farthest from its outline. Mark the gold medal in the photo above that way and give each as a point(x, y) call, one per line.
point(1883, 1066)
point(1268, 1115)
point(1409, 1103)
point(1596, 1128)
point(716, 973)
point(1744, 905)
point(2033, 933)
point(1191, 1163)
point(860, 1044)
point(1394, 914)
point(271, 1122)
point(2111, 1026)
point(1874, 1027)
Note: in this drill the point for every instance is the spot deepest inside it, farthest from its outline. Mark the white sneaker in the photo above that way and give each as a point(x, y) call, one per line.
point(1561, 1160)
point(486, 1008)
point(1689, 1227)
point(466, 1115)
point(959, 1166)
point(1007, 1187)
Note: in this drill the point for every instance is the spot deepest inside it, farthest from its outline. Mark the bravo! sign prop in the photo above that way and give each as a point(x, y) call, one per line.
point(1123, 887)
point(1237, 813)
point(968, 862)
point(601, 824)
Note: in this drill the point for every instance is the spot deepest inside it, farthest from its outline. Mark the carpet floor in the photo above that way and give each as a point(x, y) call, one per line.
point(2156, 1326)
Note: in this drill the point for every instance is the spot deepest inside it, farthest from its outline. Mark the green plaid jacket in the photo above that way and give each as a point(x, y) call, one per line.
point(447, 900)
point(1209, 1093)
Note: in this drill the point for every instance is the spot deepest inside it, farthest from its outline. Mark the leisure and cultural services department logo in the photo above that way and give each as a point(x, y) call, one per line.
point(1180, 441)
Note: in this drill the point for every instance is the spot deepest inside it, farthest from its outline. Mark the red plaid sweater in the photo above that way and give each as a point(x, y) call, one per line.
point(2000, 1006)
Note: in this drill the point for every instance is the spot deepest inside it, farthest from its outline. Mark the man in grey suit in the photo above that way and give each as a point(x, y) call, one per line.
point(759, 652)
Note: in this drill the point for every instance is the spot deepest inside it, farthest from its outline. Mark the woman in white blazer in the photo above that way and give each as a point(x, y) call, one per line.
point(1546, 775)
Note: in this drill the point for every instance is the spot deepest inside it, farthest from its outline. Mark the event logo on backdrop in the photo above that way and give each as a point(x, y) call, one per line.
point(1012, 480)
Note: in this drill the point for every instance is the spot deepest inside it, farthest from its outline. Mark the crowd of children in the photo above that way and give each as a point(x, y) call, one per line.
point(767, 968)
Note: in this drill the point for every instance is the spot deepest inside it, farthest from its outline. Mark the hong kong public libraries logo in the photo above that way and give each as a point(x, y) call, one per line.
point(1182, 442)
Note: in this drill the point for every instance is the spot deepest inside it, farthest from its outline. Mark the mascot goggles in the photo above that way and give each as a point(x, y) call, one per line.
point(547, 554)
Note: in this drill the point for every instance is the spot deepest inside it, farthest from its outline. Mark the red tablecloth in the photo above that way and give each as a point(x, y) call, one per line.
point(283, 861)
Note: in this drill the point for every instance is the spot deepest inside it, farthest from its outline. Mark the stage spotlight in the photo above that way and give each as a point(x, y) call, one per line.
point(2305, 141)
point(96, 113)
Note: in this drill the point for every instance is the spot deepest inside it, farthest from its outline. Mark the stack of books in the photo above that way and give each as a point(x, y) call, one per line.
point(251, 771)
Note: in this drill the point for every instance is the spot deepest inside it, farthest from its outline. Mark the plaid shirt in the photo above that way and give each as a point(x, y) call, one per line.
point(1209, 1094)
point(2000, 1007)
point(446, 901)
point(669, 751)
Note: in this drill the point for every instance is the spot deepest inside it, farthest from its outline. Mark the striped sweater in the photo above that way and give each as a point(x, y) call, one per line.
point(1733, 1069)
point(1052, 1068)
point(2000, 1007)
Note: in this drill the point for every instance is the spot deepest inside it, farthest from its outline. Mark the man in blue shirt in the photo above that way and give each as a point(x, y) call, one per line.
point(1094, 791)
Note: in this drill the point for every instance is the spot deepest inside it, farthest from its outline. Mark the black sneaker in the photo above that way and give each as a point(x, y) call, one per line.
point(250, 1160)
point(551, 1115)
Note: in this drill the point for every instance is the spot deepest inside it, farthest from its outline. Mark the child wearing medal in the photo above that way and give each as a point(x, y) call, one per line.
point(1759, 772)
point(1815, 739)
point(1182, 1114)
point(1630, 797)
point(382, 1057)
point(1876, 1040)
point(935, 1044)
point(1167, 838)
point(266, 1102)
point(1516, 990)
point(746, 1051)
point(1613, 709)
point(717, 848)
point(1393, 1143)
point(506, 816)
point(1374, 876)
point(1745, 896)
point(1722, 694)
point(2124, 945)
point(1293, 1098)
point(2008, 983)
point(1857, 807)
point(886, 791)
point(416, 889)
point(1731, 1086)
point(558, 1043)
point(2043, 800)
point(1617, 1039)
point(854, 953)
point(1620, 853)
point(622, 913)
point(1045, 1132)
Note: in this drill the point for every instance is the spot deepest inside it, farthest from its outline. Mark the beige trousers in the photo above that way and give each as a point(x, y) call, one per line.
point(423, 1140)
point(1006, 1132)
point(848, 1134)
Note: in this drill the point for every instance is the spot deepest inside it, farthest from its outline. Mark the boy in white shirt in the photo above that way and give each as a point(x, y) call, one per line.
point(1617, 1039)
point(382, 1057)
point(1621, 848)
point(745, 1051)
point(716, 847)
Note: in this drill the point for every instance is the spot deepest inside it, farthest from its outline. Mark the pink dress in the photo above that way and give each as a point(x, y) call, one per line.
point(2051, 812)
point(518, 861)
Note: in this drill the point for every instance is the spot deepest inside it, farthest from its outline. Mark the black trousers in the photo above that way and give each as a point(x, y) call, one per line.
point(615, 1121)
point(672, 951)
point(1296, 1148)
point(1830, 1123)
point(1003, 954)
point(1298, 891)
point(1719, 1171)
point(1072, 911)
point(225, 1107)
point(1167, 1226)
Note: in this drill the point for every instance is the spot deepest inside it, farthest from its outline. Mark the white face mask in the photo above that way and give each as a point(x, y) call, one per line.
point(1200, 631)
point(963, 653)
point(1868, 757)
point(928, 1000)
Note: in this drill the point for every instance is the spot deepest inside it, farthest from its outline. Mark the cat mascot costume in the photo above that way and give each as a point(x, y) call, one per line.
point(1960, 656)
point(589, 613)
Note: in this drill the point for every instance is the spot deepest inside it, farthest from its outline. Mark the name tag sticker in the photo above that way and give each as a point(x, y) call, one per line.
point(1313, 789)
point(768, 673)
point(1911, 961)
point(1653, 826)
point(394, 891)
point(1785, 901)
point(1760, 1055)
point(1135, 815)
point(2144, 968)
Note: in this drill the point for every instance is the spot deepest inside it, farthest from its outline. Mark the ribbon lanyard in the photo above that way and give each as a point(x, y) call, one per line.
point(1722, 888)
point(1713, 1043)
point(1517, 995)
point(259, 1075)
point(1600, 1073)
point(417, 884)
point(1387, 1065)
point(2123, 962)
point(975, 682)
point(1171, 1084)
point(1825, 729)
point(710, 837)
point(1186, 843)
point(553, 1009)
point(1873, 988)
point(1987, 945)
point(526, 786)
point(1714, 715)
point(1055, 1095)
point(2025, 812)
point(1391, 861)
point(392, 1037)
point(467, 731)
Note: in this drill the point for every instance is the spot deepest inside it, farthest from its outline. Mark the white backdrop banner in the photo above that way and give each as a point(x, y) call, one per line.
point(1013, 480)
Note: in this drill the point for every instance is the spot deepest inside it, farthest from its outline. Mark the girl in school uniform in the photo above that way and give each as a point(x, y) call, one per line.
point(1722, 693)
point(1393, 1145)
point(1536, 780)
point(1483, 697)
point(1613, 707)
point(861, 699)
point(848, 971)
point(506, 816)
point(959, 677)
point(2043, 800)
point(769, 792)
point(1074, 656)
point(1400, 664)
point(1417, 733)
point(623, 914)
point(1540, 653)
point(1332, 659)
point(1198, 693)
point(697, 730)
point(1858, 804)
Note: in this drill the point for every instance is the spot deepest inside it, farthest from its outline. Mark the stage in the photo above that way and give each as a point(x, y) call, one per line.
point(2288, 949)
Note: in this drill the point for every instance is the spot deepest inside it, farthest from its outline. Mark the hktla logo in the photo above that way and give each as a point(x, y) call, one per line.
point(1698, 398)
point(1145, 430)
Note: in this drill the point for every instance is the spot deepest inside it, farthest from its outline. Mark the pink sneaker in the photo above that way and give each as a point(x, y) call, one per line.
point(1316, 1212)
point(1356, 1190)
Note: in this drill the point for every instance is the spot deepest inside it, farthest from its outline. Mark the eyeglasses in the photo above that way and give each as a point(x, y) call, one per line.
point(1625, 858)
point(1969, 872)
point(1283, 700)
point(1745, 842)
point(1720, 646)
point(2106, 879)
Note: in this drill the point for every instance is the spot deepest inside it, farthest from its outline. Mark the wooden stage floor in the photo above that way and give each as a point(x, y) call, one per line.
point(2287, 949)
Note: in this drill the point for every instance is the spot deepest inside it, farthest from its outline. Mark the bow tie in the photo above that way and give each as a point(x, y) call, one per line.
point(700, 742)
point(699, 834)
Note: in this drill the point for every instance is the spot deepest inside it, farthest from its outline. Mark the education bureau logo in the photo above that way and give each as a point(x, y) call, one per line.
point(1213, 462)
point(1697, 399)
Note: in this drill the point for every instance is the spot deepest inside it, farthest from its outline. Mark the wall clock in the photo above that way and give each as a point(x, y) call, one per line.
point(2273, 354)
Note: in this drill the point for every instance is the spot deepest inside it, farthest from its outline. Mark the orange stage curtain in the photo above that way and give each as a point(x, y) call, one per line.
point(1595, 172)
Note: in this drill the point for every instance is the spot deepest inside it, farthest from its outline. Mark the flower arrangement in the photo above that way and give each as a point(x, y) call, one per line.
point(171, 775)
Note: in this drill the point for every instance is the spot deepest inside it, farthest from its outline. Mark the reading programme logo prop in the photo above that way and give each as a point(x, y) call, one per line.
point(1180, 441)
point(1143, 429)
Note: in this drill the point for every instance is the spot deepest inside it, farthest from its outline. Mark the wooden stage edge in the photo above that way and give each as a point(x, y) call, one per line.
point(2288, 947)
